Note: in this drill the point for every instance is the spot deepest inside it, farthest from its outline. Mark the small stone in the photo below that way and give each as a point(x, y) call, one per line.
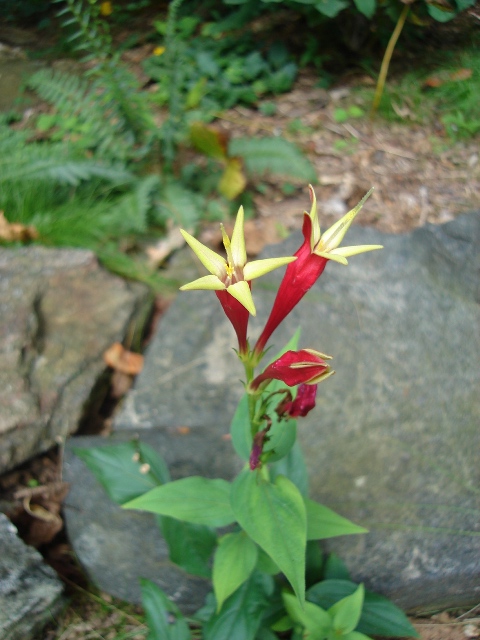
point(30, 592)
point(471, 631)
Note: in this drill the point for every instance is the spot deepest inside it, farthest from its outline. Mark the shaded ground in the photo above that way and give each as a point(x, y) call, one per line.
point(419, 175)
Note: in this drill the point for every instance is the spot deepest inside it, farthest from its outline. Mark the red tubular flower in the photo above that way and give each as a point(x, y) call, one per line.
point(303, 403)
point(317, 249)
point(238, 316)
point(299, 277)
point(296, 367)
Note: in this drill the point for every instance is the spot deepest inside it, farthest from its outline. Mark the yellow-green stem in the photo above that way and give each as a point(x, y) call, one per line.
point(386, 59)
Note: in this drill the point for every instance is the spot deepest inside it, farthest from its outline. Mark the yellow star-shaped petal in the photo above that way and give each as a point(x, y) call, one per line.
point(235, 273)
point(327, 245)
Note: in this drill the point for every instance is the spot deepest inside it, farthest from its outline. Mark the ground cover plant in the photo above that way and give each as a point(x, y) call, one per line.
point(267, 571)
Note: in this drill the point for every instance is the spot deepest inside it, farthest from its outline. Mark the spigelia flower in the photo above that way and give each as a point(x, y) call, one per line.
point(231, 278)
point(296, 367)
point(316, 250)
point(303, 403)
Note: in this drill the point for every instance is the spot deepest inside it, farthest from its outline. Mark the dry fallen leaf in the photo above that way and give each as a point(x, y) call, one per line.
point(160, 251)
point(432, 82)
point(14, 231)
point(122, 360)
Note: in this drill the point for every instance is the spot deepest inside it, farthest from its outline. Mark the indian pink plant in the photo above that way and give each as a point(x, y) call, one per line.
point(272, 521)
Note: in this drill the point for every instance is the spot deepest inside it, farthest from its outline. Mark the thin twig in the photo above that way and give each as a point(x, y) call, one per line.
point(386, 59)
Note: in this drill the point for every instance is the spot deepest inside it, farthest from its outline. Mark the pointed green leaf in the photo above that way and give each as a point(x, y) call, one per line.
point(273, 515)
point(367, 7)
point(240, 429)
point(313, 618)
point(294, 467)
point(324, 523)
point(194, 499)
point(121, 470)
point(281, 438)
point(190, 545)
point(242, 612)
point(234, 561)
point(346, 612)
point(379, 616)
point(158, 611)
point(158, 466)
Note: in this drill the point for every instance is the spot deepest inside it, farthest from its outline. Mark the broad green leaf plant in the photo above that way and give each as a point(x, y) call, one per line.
point(265, 564)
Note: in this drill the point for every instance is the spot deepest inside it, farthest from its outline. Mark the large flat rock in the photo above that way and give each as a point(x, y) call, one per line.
point(394, 440)
point(30, 592)
point(59, 311)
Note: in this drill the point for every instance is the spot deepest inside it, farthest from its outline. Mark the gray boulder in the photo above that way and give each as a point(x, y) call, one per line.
point(59, 311)
point(30, 592)
point(393, 443)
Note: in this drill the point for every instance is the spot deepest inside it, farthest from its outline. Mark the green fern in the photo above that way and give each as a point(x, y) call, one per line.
point(272, 156)
point(118, 87)
point(86, 115)
point(22, 161)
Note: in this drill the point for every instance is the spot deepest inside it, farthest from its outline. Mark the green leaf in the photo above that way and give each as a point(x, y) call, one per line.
point(242, 612)
point(208, 140)
point(266, 634)
point(180, 204)
point(274, 156)
point(281, 438)
point(314, 619)
point(335, 568)
point(158, 610)
point(240, 429)
point(324, 523)
point(382, 617)
point(119, 469)
point(194, 499)
point(441, 14)
point(293, 466)
point(190, 545)
point(379, 616)
point(367, 7)
point(266, 564)
point(314, 563)
point(158, 466)
point(355, 635)
point(234, 561)
point(274, 517)
point(347, 611)
point(331, 8)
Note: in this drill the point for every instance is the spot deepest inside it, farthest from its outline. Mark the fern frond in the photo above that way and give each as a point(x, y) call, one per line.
point(272, 156)
point(132, 210)
point(90, 116)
